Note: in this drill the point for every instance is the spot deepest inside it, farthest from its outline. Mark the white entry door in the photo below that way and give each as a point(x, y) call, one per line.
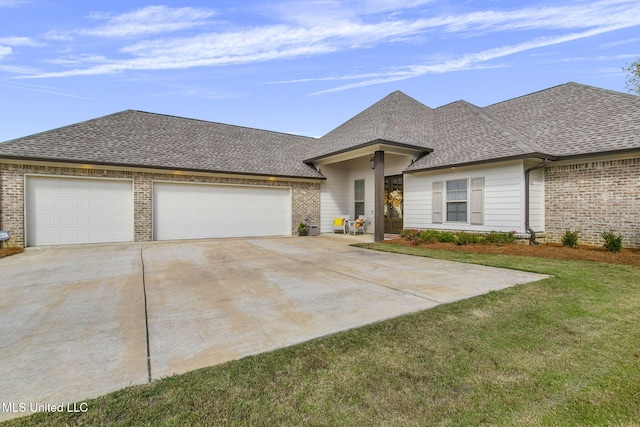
point(64, 211)
point(198, 211)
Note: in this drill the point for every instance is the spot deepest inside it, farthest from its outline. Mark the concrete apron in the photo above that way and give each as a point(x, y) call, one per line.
point(72, 320)
point(71, 325)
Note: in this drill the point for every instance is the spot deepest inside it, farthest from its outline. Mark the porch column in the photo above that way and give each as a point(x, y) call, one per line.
point(378, 208)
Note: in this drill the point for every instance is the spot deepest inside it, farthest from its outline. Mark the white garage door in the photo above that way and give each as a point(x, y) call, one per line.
point(198, 211)
point(63, 211)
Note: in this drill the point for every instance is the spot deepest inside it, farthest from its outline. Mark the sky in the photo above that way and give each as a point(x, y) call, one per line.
point(300, 67)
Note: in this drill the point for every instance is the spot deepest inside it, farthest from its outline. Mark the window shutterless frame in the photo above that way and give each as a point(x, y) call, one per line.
point(358, 197)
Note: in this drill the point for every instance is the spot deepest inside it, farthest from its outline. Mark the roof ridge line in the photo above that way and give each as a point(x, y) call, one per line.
point(218, 123)
point(382, 126)
point(66, 126)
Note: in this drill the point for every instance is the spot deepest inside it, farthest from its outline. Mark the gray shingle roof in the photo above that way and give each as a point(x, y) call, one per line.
point(135, 138)
point(562, 121)
point(397, 118)
point(464, 133)
point(573, 119)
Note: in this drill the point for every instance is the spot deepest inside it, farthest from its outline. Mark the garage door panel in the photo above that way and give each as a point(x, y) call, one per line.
point(98, 235)
point(192, 211)
point(78, 210)
point(98, 203)
point(118, 219)
point(68, 219)
point(69, 236)
point(100, 219)
point(68, 201)
point(48, 202)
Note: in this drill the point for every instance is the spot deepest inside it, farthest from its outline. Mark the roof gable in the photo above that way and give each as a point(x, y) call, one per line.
point(397, 119)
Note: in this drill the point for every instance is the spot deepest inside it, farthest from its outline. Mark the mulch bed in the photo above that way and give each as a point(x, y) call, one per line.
point(545, 250)
point(10, 251)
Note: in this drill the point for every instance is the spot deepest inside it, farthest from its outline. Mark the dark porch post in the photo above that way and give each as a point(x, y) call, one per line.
point(378, 208)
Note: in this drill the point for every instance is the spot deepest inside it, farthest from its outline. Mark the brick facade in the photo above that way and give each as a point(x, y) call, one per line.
point(593, 197)
point(305, 195)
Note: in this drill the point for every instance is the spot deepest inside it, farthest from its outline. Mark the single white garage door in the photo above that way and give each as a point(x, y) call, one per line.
point(199, 211)
point(64, 211)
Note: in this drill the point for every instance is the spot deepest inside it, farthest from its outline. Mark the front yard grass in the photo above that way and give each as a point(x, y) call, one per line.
point(558, 352)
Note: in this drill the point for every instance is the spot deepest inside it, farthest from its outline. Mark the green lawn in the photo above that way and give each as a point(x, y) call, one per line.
point(562, 351)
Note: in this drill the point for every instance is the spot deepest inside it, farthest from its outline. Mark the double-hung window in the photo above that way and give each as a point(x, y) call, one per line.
point(457, 200)
point(359, 197)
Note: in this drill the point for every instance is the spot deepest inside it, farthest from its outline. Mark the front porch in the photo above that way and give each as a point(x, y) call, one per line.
point(366, 182)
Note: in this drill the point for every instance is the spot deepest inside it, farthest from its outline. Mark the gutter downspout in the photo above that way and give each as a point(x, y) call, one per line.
point(532, 239)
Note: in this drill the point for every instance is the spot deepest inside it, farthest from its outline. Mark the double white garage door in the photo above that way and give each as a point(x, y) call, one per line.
point(194, 211)
point(80, 210)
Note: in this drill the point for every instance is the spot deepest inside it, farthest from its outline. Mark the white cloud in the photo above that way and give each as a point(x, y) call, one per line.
point(149, 20)
point(467, 61)
point(79, 60)
point(20, 41)
point(5, 51)
point(13, 3)
point(618, 43)
point(58, 36)
point(384, 6)
point(43, 89)
point(337, 27)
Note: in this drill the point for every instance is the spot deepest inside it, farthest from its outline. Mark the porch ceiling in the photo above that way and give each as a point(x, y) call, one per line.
point(367, 149)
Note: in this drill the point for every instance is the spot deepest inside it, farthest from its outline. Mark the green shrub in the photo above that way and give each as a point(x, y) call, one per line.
point(428, 236)
point(411, 235)
point(468, 238)
point(570, 238)
point(446, 237)
point(417, 237)
point(612, 242)
point(404, 233)
point(498, 238)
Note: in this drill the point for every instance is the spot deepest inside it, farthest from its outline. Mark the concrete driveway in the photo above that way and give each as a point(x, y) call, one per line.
point(78, 322)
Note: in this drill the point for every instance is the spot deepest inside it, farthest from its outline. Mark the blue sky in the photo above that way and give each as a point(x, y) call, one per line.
point(301, 67)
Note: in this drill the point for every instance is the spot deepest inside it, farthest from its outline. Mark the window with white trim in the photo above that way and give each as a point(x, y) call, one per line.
point(457, 200)
point(358, 187)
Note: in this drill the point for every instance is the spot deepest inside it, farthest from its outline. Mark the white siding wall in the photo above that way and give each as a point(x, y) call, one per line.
point(503, 197)
point(334, 195)
point(395, 164)
point(361, 169)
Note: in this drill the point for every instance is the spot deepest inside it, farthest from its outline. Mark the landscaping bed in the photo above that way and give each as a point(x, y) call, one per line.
point(544, 250)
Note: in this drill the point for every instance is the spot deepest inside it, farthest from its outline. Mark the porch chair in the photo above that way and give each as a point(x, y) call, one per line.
point(358, 225)
point(340, 223)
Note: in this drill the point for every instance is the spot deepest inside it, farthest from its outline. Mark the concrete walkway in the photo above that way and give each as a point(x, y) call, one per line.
point(73, 323)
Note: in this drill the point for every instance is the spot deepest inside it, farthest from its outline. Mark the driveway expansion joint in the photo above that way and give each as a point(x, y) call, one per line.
point(354, 276)
point(146, 315)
